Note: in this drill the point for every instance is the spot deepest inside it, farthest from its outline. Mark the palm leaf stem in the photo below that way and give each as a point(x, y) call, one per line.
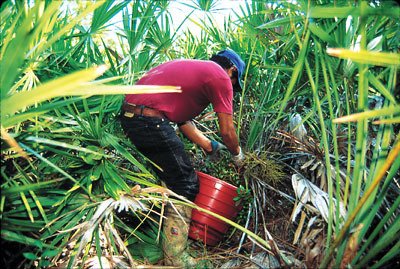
point(334, 135)
point(392, 157)
point(326, 150)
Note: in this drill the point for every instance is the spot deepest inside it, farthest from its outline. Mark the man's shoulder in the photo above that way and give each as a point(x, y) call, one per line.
point(202, 66)
point(190, 62)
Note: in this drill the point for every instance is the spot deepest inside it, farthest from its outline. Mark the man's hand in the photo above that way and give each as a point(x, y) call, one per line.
point(216, 147)
point(238, 159)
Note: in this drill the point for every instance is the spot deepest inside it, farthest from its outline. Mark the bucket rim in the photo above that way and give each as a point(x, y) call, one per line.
point(217, 180)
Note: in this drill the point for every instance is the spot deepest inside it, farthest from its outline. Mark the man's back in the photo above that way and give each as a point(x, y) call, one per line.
point(201, 82)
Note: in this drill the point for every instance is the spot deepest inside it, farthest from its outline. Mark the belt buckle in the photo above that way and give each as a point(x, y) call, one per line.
point(129, 114)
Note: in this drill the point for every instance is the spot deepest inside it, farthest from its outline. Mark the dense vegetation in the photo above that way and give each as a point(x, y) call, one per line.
point(319, 119)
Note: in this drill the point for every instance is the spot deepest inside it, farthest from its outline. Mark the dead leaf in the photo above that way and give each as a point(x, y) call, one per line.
point(352, 247)
point(306, 192)
point(135, 189)
point(299, 228)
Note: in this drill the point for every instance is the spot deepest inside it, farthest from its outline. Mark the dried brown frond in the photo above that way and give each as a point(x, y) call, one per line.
point(313, 242)
point(352, 247)
point(292, 143)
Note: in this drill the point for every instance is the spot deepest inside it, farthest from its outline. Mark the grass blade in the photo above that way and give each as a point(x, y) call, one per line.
point(366, 57)
point(387, 111)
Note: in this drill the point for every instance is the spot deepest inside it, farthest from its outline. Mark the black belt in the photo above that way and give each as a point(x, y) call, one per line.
point(131, 110)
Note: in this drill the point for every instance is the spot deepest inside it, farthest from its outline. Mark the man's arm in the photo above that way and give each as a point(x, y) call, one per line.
point(228, 133)
point(195, 135)
point(227, 130)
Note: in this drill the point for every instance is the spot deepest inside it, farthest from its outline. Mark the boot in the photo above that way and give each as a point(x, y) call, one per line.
point(176, 229)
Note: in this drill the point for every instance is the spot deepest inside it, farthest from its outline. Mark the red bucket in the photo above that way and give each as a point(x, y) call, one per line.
point(216, 196)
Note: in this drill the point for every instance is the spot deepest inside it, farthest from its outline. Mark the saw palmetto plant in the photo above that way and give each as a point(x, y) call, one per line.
point(76, 193)
point(345, 60)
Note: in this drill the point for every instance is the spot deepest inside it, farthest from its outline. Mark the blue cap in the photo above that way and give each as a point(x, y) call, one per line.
point(236, 60)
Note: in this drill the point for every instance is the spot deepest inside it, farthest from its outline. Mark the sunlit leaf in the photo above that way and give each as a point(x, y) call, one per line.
point(367, 57)
point(280, 22)
point(387, 111)
point(73, 84)
point(343, 12)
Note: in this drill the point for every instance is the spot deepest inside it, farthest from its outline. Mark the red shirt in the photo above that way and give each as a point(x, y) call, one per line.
point(201, 82)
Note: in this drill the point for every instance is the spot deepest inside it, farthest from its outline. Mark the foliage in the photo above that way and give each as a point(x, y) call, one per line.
point(147, 243)
point(60, 155)
point(328, 81)
point(67, 168)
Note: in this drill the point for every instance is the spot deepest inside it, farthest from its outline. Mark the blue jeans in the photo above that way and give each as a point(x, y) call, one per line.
point(156, 139)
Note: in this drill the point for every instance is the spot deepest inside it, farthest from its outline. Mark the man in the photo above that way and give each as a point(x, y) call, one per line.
point(146, 120)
